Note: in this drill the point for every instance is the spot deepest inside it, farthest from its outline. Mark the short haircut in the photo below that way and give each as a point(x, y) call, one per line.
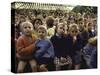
point(59, 24)
point(50, 21)
point(39, 19)
point(73, 26)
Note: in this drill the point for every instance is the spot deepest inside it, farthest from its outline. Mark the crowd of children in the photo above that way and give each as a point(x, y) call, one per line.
point(49, 42)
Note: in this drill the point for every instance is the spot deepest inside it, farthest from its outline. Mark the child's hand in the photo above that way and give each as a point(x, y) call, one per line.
point(37, 48)
point(75, 38)
point(63, 60)
point(43, 67)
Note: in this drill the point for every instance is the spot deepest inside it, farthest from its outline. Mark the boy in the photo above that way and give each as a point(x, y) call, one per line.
point(59, 42)
point(45, 52)
point(26, 47)
point(91, 30)
point(90, 53)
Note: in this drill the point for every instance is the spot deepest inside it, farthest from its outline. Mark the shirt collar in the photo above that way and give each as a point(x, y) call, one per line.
point(59, 36)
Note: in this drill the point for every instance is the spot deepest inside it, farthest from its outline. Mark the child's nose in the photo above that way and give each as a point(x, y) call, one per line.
point(28, 28)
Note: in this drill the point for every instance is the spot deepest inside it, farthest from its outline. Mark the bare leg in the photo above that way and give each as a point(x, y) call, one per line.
point(33, 65)
point(21, 66)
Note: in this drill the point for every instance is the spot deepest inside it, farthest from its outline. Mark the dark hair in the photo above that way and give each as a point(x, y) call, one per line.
point(80, 19)
point(50, 21)
point(39, 19)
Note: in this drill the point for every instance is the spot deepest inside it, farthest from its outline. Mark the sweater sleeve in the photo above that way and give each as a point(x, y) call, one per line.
point(40, 52)
point(42, 49)
point(22, 50)
point(51, 50)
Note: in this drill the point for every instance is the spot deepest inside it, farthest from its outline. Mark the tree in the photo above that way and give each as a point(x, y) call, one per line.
point(86, 9)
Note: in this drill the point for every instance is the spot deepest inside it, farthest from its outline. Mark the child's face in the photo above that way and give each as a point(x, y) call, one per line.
point(74, 32)
point(81, 26)
point(71, 21)
point(27, 29)
point(60, 29)
point(41, 33)
point(90, 26)
point(37, 24)
point(56, 22)
point(81, 23)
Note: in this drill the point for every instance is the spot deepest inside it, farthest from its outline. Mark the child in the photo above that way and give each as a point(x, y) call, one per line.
point(90, 53)
point(60, 46)
point(36, 23)
point(50, 26)
point(84, 36)
point(91, 29)
point(45, 52)
point(74, 45)
point(26, 47)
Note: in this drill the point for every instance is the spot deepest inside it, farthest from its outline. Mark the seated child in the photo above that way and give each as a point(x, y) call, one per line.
point(60, 47)
point(26, 47)
point(90, 53)
point(45, 51)
point(75, 45)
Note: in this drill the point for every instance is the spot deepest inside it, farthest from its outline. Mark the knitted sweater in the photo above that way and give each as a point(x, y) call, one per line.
point(90, 55)
point(74, 47)
point(25, 47)
point(60, 45)
point(45, 49)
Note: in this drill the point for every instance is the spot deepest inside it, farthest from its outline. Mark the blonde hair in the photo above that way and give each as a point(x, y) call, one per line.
point(73, 26)
point(42, 27)
point(93, 40)
point(24, 23)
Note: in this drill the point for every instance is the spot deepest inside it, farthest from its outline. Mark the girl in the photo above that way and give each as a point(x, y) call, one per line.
point(60, 47)
point(26, 47)
point(74, 45)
